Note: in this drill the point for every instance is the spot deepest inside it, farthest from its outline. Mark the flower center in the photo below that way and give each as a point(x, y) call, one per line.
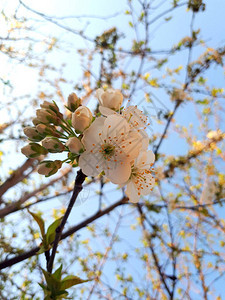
point(108, 150)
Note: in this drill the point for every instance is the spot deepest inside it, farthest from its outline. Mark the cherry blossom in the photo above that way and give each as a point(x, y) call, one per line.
point(81, 118)
point(141, 180)
point(110, 98)
point(110, 147)
point(113, 143)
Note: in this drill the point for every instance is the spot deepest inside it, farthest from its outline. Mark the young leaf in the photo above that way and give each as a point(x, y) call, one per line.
point(52, 283)
point(43, 248)
point(50, 235)
point(58, 273)
point(44, 287)
point(39, 221)
point(71, 280)
point(63, 294)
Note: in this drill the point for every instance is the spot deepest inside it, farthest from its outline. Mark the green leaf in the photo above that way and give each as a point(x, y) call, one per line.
point(44, 287)
point(52, 283)
point(71, 280)
point(44, 247)
point(58, 273)
point(39, 221)
point(41, 250)
point(62, 293)
point(50, 235)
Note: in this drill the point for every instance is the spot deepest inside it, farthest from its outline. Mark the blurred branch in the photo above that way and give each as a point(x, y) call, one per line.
point(10, 208)
point(18, 175)
point(69, 232)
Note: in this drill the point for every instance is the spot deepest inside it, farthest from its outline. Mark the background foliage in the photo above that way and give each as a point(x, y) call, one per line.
point(165, 59)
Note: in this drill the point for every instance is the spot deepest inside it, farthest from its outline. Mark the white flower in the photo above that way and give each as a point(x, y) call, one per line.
point(81, 118)
point(110, 98)
point(74, 145)
point(134, 116)
point(110, 147)
point(136, 119)
point(141, 180)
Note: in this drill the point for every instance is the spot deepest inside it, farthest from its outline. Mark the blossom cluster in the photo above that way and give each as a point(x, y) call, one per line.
point(113, 142)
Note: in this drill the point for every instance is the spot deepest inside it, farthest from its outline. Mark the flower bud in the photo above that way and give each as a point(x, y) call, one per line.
point(81, 118)
point(33, 150)
point(44, 116)
point(53, 145)
point(110, 98)
point(47, 130)
point(73, 102)
point(33, 134)
point(49, 167)
point(74, 145)
point(36, 121)
point(50, 106)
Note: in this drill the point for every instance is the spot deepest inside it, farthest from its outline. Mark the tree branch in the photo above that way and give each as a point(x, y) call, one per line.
point(10, 262)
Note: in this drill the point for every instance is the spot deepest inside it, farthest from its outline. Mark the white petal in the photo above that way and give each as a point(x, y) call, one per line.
point(91, 135)
point(115, 126)
point(144, 160)
point(131, 145)
point(91, 164)
point(132, 192)
point(145, 140)
point(150, 157)
point(135, 117)
point(118, 173)
point(105, 111)
point(99, 93)
point(140, 161)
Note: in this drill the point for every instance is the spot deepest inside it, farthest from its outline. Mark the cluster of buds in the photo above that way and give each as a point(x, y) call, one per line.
point(113, 142)
point(54, 134)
